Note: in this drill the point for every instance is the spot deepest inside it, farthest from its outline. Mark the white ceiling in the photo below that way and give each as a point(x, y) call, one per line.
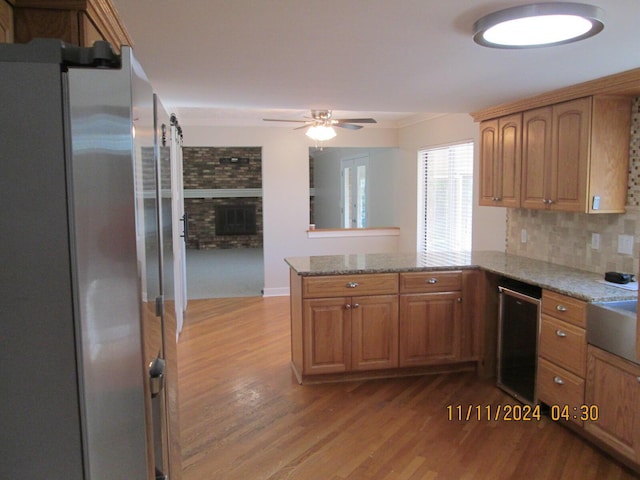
point(233, 62)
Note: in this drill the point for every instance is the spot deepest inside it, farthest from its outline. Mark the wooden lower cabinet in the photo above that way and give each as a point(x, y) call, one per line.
point(389, 324)
point(613, 385)
point(350, 334)
point(562, 355)
point(327, 336)
point(430, 328)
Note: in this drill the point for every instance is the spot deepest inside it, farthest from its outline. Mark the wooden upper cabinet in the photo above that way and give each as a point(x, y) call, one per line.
point(575, 155)
point(500, 160)
point(79, 22)
point(6, 22)
point(536, 152)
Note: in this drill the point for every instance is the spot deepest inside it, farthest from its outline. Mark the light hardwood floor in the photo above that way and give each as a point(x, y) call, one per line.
point(244, 417)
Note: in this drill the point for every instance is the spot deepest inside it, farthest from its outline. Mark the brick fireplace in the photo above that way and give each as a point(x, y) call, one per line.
point(223, 196)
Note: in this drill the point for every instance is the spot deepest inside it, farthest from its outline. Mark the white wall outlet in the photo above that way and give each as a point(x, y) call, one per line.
point(595, 241)
point(523, 236)
point(625, 244)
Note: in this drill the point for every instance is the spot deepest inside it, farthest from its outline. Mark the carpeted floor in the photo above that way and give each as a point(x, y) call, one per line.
point(225, 273)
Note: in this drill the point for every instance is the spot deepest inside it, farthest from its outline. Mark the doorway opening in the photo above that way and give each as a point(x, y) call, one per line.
point(223, 200)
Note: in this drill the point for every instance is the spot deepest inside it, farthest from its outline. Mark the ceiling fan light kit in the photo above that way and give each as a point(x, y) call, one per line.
point(321, 124)
point(321, 133)
point(538, 25)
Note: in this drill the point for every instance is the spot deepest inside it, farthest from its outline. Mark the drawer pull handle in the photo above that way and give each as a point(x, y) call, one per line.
point(561, 308)
point(638, 378)
point(558, 380)
point(560, 333)
point(432, 281)
point(352, 284)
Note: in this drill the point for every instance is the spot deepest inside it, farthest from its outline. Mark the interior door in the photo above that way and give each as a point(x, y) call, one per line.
point(180, 224)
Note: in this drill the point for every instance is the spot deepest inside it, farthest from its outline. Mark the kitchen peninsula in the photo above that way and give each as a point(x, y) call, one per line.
point(375, 315)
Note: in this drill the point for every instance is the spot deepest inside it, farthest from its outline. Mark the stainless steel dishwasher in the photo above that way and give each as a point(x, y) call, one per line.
point(518, 330)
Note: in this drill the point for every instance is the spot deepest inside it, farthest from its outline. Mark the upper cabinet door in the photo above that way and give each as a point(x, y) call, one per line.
point(509, 160)
point(500, 153)
point(570, 155)
point(488, 162)
point(536, 152)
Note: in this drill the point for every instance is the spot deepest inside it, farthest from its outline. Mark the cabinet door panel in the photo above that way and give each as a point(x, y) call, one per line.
point(536, 149)
point(613, 384)
point(488, 162)
point(374, 332)
point(327, 336)
point(569, 155)
point(429, 328)
point(509, 160)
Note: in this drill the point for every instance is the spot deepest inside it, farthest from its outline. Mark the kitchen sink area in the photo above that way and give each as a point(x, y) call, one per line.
point(611, 326)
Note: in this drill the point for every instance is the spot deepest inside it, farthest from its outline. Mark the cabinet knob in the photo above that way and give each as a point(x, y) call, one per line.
point(352, 284)
point(347, 306)
point(356, 305)
point(558, 380)
point(561, 308)
point(561, 333)
point(432, 281)
point(459, 299)
point(638, 378)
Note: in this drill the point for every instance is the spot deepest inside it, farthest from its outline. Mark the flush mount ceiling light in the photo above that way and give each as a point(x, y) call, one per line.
point(538, 25)
point(320, 133)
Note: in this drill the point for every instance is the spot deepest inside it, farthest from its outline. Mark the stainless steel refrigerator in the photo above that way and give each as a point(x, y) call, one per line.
point(78, 231)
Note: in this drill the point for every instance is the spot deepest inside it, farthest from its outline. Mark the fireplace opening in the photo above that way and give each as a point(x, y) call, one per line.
point(236, 220)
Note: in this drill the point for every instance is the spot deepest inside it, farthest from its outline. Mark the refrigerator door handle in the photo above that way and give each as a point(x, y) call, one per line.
point(156, 375)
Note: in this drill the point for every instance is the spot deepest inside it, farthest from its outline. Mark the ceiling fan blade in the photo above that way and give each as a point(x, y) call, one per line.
point(357, 120)
point(282, 120)
point(350, 126)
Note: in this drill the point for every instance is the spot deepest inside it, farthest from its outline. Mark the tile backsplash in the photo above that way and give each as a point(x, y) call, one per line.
point(565, 238)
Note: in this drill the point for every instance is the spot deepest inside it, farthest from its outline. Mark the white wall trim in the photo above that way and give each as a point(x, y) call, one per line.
point(276, 292)
point(354, 232)
point(222, 192)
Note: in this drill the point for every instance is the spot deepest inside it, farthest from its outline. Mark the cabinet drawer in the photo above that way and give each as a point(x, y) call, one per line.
point(558, 387)
point(566, 308)
point(564, 344)
point(427, 282)
point(349, 285)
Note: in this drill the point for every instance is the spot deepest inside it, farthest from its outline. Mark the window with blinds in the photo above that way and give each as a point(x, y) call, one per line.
point(445, 203)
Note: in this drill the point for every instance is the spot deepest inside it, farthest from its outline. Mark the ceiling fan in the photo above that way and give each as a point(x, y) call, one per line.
point(323, 118)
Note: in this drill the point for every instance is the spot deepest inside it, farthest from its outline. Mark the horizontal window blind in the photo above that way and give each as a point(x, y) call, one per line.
point(446, 203)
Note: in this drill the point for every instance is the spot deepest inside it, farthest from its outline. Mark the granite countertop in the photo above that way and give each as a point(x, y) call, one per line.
point(569, 281)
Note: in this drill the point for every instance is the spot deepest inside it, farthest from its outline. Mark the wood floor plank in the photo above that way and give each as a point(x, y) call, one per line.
point(244, 416)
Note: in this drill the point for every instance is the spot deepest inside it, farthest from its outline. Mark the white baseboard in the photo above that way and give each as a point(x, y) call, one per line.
point(276, 292)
